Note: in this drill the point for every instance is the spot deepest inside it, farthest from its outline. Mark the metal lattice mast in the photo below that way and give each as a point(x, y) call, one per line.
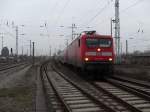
point(73, 27)
point(117, 32)
point(126, 47)
point(30, 47)
point(16, 40)
point(33, 53)
point(2, 39)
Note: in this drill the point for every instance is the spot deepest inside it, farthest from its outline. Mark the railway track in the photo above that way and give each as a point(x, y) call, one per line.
point(131, 80)
point(133, 94)
point(140, 87)
point(6, 67)
point(126, 94)
point(65, 94)
point(3, 64)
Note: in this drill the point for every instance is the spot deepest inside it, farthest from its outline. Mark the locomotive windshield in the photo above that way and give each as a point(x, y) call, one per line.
point(98, 42)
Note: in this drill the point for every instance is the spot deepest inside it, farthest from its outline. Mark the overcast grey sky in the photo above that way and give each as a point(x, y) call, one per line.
point(134, 15)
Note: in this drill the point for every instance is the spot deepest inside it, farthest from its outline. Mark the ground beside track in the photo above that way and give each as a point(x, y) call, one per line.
point(40, 105)
point(17, 91)
point(134, 71)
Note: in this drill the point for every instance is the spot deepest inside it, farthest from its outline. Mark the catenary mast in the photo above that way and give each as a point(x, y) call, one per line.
point(117, 32)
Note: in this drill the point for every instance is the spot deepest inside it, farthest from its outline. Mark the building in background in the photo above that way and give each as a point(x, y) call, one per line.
point(5, 52)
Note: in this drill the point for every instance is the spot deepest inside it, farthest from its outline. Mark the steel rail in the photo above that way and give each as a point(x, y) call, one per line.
point(13, 66)
point(134, 93)
point(67, 108)
point(109, 109)
point(49, 104)
point(62, 99)
point(129, 106)
point(131, 80)
point(128, 88)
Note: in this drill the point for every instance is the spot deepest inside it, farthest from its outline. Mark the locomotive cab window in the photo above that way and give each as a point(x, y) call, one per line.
point(98, 42)
point(92, 42)
point(104, 42)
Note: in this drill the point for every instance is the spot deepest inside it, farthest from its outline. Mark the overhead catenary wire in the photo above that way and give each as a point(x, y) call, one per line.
point(60, 14)
point(53, 9)
point(98, 13)
point(135, 19)
point(132, 5)
point(62, 11)
point(13, 36)
point(124, 10)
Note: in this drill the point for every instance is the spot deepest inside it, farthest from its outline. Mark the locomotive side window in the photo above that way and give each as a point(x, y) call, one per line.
point(79, 42)
point(98, 42)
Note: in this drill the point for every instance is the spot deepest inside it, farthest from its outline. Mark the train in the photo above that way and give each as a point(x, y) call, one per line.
point(90, 52)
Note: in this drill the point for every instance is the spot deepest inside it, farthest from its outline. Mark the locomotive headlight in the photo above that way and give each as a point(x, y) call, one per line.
point(98, 49)
point(86, 59)
point(110, 59)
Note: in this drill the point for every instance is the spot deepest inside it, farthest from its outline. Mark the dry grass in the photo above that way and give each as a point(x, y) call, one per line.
point(16, 99)
point(133, 72)
point(19, 97)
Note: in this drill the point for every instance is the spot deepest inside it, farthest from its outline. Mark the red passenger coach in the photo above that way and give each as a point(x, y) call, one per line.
point(91, 51)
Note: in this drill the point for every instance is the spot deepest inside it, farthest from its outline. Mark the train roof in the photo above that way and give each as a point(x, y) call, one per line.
point(94, 34)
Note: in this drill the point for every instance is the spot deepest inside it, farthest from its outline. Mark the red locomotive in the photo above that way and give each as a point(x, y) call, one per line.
point(90, 51)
